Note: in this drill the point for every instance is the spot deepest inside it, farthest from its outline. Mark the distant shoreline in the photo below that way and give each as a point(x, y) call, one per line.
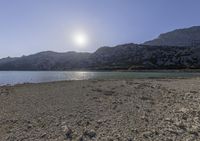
point(117, 70)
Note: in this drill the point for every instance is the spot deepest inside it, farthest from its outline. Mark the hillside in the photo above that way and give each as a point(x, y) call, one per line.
point(180, 37)
point(45, 61)
point(178, 49)
point(132, 56)
point(128, 56)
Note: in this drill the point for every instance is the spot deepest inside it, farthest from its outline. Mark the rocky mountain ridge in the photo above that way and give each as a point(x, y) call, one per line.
point(172, 50)
point(124, 57)
point(179, 37)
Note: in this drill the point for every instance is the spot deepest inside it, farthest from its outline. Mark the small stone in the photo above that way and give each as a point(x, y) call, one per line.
point(194, 133)
point(91, 134)
point(144, 98)
point(144, 118)
point(168, 120)
point(114, 107)
point(181, 126)
point(129, 139)
point(99, 121)
point(43, 135)
point(183, 110)
point(134, 130)
point(184, 116)
point(173, 132)
point(81, 138)
point(108, 93)
point(194, 92)
point(68, 132)
point(138, 107)
point(147, 134)
point(109, 138)
point(29, 126)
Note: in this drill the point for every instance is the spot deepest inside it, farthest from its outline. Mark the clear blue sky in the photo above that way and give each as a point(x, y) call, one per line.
point(30, 26)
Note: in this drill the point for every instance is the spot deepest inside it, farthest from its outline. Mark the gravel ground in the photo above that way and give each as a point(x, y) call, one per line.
point(102, 110)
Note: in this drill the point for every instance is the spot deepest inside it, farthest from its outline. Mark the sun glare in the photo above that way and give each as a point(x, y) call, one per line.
point(80, 39)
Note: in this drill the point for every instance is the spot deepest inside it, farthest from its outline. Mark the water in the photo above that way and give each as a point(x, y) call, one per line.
point(18, 77)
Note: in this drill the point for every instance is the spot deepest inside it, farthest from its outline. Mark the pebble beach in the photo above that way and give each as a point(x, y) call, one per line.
point(102, 110)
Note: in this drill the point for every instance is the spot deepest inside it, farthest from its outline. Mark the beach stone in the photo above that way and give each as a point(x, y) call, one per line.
point(80, 138)
point(68, 132)
point(183, 110)
point(194, 92)
point(108, 138)
point(43, 135)
point(184, 116)
point(181, 125)
point(145, 98)
point(100, 121)
point(193, 132)
point(90, 133)
point(29, 126)
point(147, 134)
point(168, 120)
point(175, 132)
point(108, 93)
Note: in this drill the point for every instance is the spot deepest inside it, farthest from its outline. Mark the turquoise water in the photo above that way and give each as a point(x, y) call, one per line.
point(15, 77)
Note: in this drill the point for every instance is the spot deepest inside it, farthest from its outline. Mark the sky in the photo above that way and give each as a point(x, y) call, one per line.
point(31, 26)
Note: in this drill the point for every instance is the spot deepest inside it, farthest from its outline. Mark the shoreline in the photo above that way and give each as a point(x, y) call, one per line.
point(116, 79)
point(114, 70)
point(134, 109)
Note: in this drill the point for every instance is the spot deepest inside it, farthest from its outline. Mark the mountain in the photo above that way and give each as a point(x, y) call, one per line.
point(180, 37)
point(126, 57)
point(178, 49)
point(133, 56)
point(46, 61)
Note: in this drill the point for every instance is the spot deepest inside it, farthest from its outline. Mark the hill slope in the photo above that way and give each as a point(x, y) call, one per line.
point(178, 49)
point(45, 61)
point(132, 56)
point(180, 37)
point(128, 56)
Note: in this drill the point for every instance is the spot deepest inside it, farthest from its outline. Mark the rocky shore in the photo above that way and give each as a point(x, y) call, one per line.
point(102, 110)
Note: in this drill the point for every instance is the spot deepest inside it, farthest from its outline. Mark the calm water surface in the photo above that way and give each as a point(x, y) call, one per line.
point(15, 77)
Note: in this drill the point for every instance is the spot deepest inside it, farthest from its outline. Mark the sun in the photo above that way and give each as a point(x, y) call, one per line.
point(80, 39)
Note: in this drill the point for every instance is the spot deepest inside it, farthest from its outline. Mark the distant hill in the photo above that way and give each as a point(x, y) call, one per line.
point(46, 61)
point(132, 56)
point(178, 49)
point(126, 57)
point(180, 37)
